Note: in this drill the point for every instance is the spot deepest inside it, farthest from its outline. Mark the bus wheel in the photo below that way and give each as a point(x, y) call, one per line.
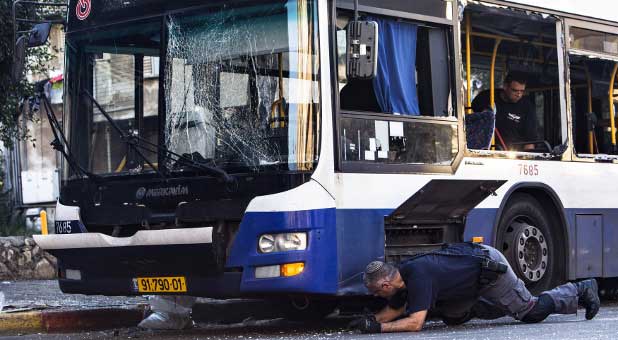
point(528, 241)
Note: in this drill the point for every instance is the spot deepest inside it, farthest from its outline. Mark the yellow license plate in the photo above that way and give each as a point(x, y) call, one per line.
point(171, 284)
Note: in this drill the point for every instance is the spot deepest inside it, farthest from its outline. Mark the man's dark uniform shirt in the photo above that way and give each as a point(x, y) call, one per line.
point(433, 278)
point(516, 122)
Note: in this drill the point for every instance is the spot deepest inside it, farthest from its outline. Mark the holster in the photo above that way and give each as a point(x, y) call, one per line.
point(491, 271)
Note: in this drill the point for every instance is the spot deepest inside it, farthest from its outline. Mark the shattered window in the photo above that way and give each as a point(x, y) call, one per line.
point(589, 40)
point(591, 104)
point(522, 49)
point(112, 70)
point(593, 90)
point(242, 87)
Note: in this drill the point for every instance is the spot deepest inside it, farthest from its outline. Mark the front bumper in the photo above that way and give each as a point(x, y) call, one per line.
point(108, 265)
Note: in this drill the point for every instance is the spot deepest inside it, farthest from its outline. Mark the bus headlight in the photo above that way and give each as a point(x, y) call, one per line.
point(270, 243)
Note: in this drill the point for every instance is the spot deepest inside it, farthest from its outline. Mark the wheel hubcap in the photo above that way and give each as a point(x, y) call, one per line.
point(532, 253)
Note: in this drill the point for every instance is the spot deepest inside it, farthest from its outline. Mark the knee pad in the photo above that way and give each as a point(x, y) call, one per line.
point(541, 310)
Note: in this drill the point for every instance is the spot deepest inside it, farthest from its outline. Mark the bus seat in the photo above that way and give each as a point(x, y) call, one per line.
point(480, 129)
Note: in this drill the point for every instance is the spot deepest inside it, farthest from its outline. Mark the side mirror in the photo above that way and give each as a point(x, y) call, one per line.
point(19, 58)
point(362, 49)
point(39, 34)
point(36, 37)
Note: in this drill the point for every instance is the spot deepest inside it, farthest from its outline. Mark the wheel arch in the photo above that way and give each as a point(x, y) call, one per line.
point(550, 200)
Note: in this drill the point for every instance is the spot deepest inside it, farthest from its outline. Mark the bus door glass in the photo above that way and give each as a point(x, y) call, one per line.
point(115, 71)
point(593, 65)
point(242, 87)
point(513, 85)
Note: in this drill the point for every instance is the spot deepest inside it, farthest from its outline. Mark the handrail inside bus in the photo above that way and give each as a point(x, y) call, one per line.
point(501, 37)
point(611, 107)
point(492, 79)
point(591, 136)
point(492, 74)
point(468, 64)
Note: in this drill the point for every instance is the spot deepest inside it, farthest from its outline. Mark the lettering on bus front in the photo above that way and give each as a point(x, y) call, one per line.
point(63, 227)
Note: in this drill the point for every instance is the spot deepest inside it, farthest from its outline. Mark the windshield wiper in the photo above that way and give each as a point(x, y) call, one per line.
point(129, 139)
point(60, 142)
point(138, 142)
point(213, 170)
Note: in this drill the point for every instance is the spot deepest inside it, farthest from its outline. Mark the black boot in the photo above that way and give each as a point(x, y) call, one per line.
point(588, 297)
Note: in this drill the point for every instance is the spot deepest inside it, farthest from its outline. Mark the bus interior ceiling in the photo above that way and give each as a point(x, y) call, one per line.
point(527, 44)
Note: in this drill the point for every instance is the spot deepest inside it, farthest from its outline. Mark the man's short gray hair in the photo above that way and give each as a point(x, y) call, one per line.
point(378, 270)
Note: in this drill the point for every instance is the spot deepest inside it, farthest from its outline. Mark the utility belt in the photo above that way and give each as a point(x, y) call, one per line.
point(490, 269)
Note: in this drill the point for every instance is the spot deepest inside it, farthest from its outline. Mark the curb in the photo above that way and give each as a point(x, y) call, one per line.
point(70, 320)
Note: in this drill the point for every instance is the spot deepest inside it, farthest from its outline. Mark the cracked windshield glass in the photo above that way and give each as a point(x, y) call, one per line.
point(242, 87)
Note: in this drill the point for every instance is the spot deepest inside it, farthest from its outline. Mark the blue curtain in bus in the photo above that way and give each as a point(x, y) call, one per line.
point(395, 82)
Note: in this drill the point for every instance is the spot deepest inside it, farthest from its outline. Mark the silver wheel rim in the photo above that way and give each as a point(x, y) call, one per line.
point(532, 253)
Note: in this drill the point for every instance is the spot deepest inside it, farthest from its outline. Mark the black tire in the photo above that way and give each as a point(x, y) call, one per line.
point(307, 309)
point(456, 321)
point(529, 237)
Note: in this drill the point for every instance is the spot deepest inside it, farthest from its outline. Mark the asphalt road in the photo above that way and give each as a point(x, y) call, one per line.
point(45, 294)
point(558, 327)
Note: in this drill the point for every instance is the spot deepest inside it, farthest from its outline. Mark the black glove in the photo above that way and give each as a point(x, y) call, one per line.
point(366, 324)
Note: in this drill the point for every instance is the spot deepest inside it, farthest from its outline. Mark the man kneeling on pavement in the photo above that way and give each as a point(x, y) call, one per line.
point(459, 282)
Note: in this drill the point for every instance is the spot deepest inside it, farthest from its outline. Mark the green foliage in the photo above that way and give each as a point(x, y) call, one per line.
point(9, 101)
point(37, 59)
point(13, 96)
point(18, 229)
point(11, 224)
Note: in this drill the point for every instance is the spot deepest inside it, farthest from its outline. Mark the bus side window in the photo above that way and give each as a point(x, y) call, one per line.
point(590, 105)
point(413, 80)
point(518, 53)
point(413, 75)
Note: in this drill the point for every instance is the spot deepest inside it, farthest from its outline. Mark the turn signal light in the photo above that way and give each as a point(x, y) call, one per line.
point(477, 239)
point(292, 269)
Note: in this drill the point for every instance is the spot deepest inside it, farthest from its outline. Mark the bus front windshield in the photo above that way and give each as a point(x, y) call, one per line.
point(241, 86)
point(240, 91)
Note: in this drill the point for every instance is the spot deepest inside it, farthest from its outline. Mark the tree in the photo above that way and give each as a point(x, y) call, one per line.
point(12, 94)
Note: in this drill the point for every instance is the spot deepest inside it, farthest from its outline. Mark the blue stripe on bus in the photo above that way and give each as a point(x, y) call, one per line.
point(364, 229)
point(341, 243)
point(342, 252)
point(480, 222)
point(320, 258)
point(360, 235)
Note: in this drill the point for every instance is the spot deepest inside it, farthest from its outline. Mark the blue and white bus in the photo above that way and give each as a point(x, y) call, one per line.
point(274, 148)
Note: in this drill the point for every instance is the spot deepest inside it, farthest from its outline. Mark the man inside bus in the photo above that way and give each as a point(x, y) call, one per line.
point(457, 279)
point(515, 114)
